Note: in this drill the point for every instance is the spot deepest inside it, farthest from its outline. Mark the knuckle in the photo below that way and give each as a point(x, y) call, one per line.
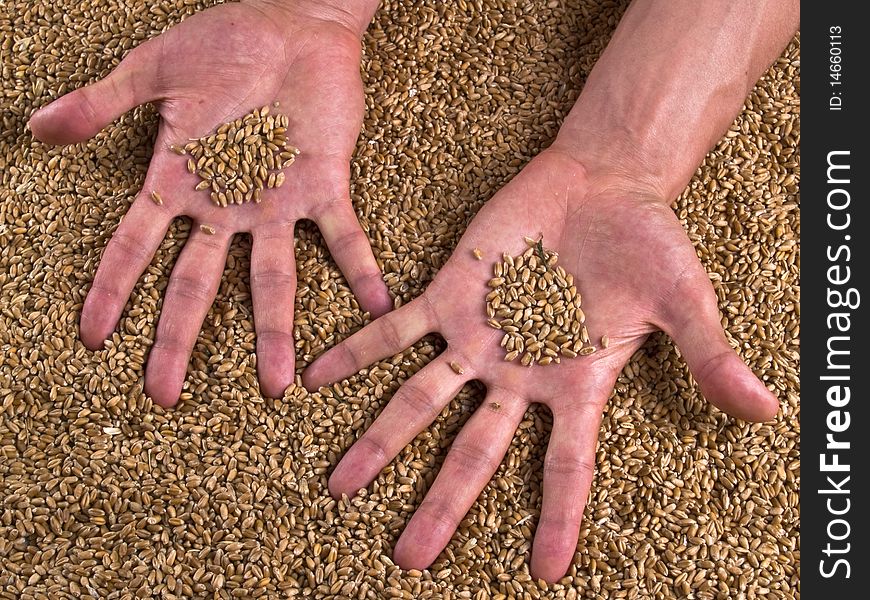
point(86, 106)
point(129, 247)
point(275, 336)
point(349, 237)
point(279, 231)
point(352, 251)
point(390, 333)
point(418, 400)
point(211, 243)
point(182, 286)
point(472, 458)
point(587, 408)
point(373, 447)
point(103, 290)
point(711, 364)
point(167, 344)
point(363, 274)
point(331, 204)
point(274, 279)
point(428, 309)
point(352, 358)
point(440, 511)
point(568, 466)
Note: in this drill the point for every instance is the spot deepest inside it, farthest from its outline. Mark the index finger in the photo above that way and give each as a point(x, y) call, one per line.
point(128, 254)
point(389, 335)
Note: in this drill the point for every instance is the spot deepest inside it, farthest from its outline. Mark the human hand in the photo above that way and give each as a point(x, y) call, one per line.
point(212, 68)
point(637, 272)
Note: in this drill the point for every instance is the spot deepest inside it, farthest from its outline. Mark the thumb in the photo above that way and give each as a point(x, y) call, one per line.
point(725, 380)
point(82, 113)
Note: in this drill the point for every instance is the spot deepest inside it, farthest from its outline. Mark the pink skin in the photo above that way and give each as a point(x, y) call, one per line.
point(637, 272)
point(214, 67)
point(672, 78)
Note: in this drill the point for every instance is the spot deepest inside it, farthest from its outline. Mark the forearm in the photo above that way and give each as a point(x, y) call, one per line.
point(354, 14)
point(672, 79)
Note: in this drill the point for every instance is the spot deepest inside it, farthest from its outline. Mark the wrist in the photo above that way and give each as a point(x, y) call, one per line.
point(672, 78)
point(614, 156)
point(353, 15)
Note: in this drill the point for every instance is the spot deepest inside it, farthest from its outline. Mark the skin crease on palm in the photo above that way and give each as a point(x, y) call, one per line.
point(214, 67)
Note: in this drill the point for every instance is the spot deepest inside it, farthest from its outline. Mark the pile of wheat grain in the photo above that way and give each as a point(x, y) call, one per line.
point(535, 303)
point(105, 495)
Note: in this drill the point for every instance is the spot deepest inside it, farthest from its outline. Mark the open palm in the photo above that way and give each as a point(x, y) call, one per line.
point(214, 67)
point(637, 272)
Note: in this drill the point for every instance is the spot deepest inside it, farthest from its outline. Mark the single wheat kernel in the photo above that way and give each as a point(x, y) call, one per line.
point(605, 341)
point(207, 229)
point(457, 368)
point(478, 253)
point(156, 198)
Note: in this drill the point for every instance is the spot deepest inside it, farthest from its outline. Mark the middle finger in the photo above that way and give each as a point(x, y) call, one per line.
point(411, 409)
point(192, 287)
point(473, 459)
